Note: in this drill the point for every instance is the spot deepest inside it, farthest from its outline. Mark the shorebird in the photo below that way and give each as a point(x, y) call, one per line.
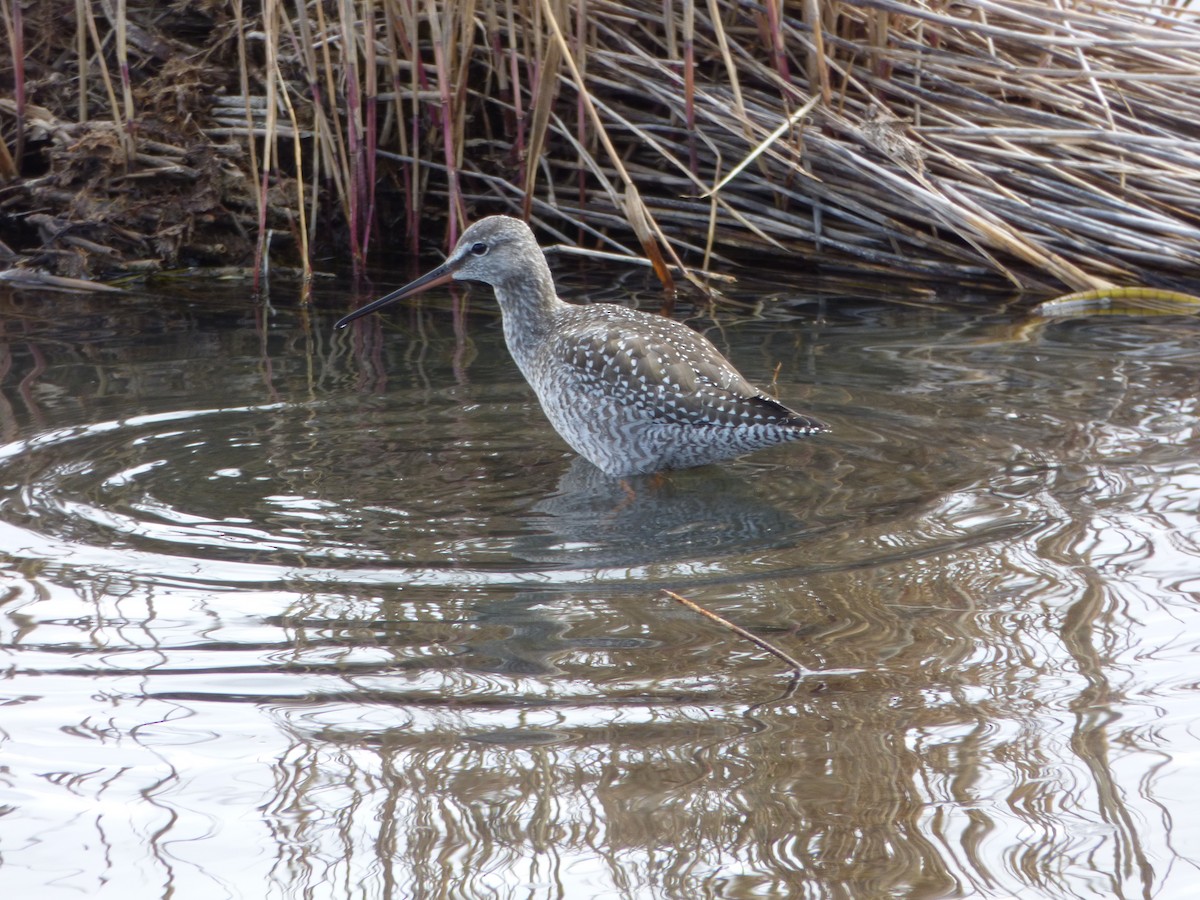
point(632, 392)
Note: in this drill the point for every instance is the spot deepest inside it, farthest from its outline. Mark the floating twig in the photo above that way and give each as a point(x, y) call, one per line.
point(796, 666)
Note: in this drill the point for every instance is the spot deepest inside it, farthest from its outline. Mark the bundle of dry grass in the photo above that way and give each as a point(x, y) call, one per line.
point(1049, 143)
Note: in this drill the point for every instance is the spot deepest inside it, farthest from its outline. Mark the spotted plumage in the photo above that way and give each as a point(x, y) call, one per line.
point(630, 391)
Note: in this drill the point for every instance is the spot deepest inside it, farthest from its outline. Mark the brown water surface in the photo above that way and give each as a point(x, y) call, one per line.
point(291, 613)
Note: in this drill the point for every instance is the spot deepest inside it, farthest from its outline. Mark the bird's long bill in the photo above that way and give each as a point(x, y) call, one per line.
point(441, 275)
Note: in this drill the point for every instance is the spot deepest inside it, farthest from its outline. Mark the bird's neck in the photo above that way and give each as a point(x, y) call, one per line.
point(530, 307)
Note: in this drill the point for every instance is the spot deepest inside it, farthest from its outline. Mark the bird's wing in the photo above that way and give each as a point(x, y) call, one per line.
point(669, 372)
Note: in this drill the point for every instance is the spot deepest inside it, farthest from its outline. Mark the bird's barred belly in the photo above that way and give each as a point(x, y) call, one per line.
point(620, 440)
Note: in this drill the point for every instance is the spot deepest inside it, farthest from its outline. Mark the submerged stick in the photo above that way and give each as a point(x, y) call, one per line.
point(795, 664)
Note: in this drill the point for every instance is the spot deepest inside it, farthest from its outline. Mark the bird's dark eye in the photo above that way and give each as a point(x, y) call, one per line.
point(479, 248)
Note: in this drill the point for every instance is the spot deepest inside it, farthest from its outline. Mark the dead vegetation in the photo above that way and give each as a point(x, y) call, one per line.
point(1042, 143)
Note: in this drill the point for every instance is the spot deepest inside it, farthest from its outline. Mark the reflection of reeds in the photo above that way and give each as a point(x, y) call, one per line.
point(1033, 142)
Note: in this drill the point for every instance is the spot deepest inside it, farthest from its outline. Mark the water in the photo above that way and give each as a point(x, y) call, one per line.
point(287, 613)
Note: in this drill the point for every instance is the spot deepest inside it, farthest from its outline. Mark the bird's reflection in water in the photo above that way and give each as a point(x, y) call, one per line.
point(595, 521)
point(529, 636)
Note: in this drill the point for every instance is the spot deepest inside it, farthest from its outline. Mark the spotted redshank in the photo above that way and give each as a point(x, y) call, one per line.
point(632, 392)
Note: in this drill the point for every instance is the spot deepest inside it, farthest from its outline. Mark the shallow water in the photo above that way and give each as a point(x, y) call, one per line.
point(288, 613)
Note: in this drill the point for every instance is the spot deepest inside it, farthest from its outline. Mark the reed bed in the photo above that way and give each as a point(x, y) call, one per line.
point(1045, 143)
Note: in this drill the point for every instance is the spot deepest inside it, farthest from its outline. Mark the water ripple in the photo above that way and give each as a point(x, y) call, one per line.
point(199, 497)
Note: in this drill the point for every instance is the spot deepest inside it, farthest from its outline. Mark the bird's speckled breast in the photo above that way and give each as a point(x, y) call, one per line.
point(633, 392)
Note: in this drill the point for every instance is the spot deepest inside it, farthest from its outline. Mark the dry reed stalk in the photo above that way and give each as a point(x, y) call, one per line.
point(10, 164)
point(356, 174)
point(120, 26)
point(1038, 142)
point(260, 198)
point(414, 175)
point(541, 105)
point(81, 55)
point(94, 32)
point(442, 41)
point(370, 131)
point(271, 12)
point(321, 160)
point(298, 161)
point(639, 218)
point(333, 137)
